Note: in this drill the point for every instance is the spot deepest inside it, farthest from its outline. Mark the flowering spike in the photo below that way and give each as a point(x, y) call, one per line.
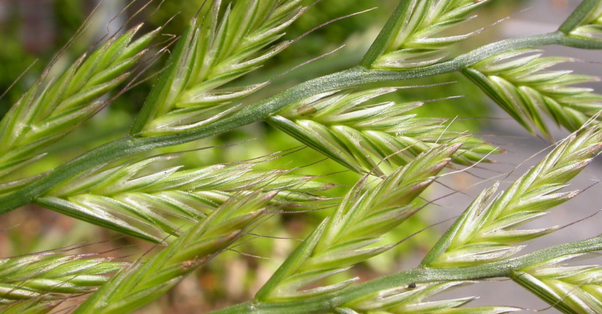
point(570, 289)
point(47, 278)
point(142, 282)
point(486, 230)
point(348, 129)
point(123, 199)
point(353, 233)
point(519, 83)
point(218, 47)
point(407, 40)
point(54, 106)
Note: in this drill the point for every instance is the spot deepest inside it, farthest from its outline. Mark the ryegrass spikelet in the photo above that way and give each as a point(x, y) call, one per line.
point(412, 299)
point(30, 306)
point(141, 283)
point(54, 106)
point(214, 51)
point(519, 83)
point(352, 234)
point(570, 289)
point(348, 129)
point(407, 40)
point(487, 232)
point(50, 276)
point(148, 203)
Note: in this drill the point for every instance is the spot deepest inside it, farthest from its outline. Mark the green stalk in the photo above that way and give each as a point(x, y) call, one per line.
point(385, 35)
point(356, 76)
point(326, 303)
point(579, 15)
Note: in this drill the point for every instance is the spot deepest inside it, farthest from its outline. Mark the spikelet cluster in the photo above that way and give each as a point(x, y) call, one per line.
point(413, 41)
point(144, 281)
point(353, 233)
point(570, 289)
point(347, 128)
point(488, 230)
point(52, 108)
point(413, 299)
point(521, 84)
point(48, 278)
point(30, 306)
point(135, 199)
point(215, 50)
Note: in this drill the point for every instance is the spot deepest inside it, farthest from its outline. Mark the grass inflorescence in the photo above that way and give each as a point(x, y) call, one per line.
point(192, 213)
